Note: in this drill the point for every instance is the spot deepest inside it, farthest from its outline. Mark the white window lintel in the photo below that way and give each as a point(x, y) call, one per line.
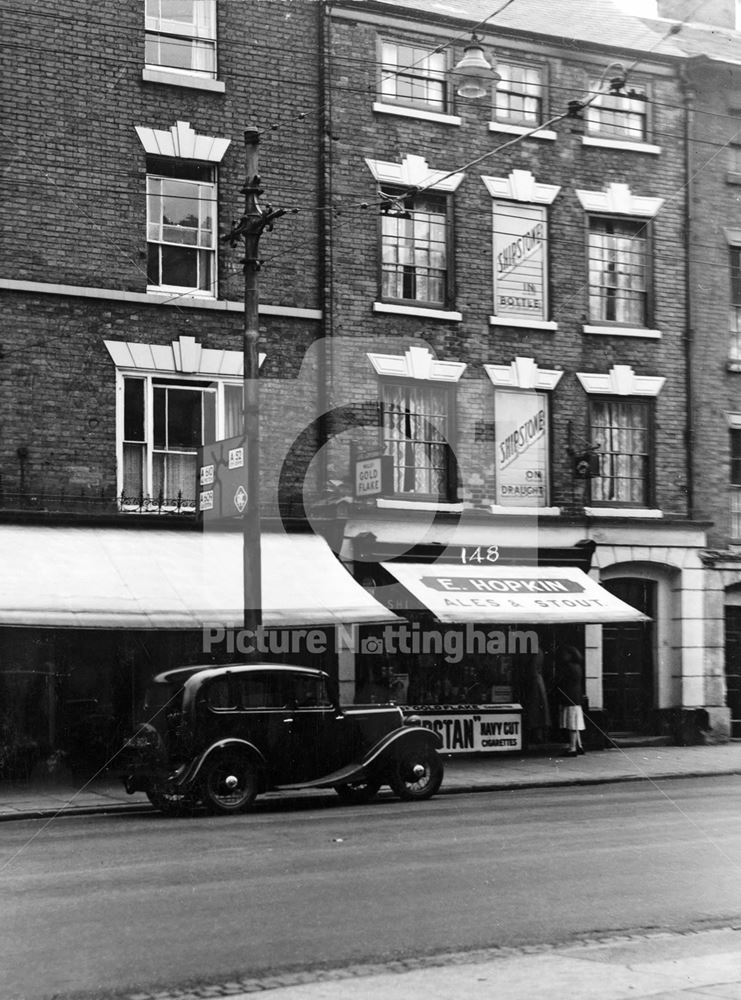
point(520, 185)
point(183, 356)
point(618, 199)
point(621, 380)
point(413, 171)
point(523, 373)
point(417, 363)
point(182, 142)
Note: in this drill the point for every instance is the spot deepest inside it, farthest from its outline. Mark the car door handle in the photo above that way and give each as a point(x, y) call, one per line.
point(289, 720)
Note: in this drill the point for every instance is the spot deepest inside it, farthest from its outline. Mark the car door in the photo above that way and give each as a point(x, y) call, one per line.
point(318, 728)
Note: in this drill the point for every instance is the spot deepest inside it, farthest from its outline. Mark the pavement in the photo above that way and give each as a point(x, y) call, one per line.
point(59, 794)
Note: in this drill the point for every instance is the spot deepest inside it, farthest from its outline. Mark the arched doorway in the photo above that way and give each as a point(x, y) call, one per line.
point(628, 659)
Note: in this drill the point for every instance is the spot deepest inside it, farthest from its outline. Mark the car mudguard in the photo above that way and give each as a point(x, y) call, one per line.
point(375, 760)
point(188, 776)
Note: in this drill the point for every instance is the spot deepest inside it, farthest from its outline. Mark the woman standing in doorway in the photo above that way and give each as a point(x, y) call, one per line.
point(569, 688)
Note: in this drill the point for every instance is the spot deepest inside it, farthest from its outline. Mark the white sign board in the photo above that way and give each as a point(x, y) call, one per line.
point(521, 443)
point(518, 594)
point(520, 257)
point(476, 731)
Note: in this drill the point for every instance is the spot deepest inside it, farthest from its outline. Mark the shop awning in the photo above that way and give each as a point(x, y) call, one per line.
point(109, 577)
point(511, 594)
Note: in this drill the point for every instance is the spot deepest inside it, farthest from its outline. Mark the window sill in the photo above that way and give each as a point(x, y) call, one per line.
point(622, 331)
point(542, 133)
point(429, 505)
point(733, 366)
point(527, 324)
point(418, 113)
point(389, 307)
point(496, 508)
point(179, 293)
point(633, 147)
point(733, 177)
point(175, 79)
point(645, 512)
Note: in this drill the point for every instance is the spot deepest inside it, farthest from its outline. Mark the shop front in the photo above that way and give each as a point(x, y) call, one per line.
point(475, 656)
point(89, 613)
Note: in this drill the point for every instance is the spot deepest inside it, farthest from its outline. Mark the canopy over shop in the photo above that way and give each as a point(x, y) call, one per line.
point(463, 658)
point(89, 613)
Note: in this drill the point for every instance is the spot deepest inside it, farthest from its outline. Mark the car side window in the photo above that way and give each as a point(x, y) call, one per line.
point(261, 691)
point(219, 695)
point(309, 692)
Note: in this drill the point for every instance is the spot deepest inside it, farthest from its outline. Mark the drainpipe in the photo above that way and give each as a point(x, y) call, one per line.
point(689, 108)
point(325, 374)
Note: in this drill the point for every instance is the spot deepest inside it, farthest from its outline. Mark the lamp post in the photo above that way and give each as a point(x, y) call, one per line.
point(250, 228)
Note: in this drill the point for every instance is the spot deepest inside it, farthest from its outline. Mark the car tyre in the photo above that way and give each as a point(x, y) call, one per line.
point(358, 792)
point(229, 783)
point(416, 774)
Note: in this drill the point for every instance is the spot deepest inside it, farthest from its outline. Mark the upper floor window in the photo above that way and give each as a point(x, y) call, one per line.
point(622, 430)
point(413, 75)
point(518, 97)
point(619, 116)
point(734, 354)
point(181, 35)
point(735, 482)
point(618, 271)
point(164, 423)
point(415, 231)
point(181, 225)
point(416, 425)
point(521, 442)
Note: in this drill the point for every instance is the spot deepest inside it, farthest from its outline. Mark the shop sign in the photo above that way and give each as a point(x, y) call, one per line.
point(520, 254)
point(223, 478)
point(475, 731)
point(373, 476)
point(521, 442)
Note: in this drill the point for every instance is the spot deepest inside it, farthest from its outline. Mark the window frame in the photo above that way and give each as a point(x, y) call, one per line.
point(644, 226)
point(154, 176)
point(147, 500)
point(648, 405)
point(596, 128)
point(522, 121)
point(734, 303)
point(447, 395)
point(448, 278)
point(445, 107)
point(161, 28)
point(734, 481)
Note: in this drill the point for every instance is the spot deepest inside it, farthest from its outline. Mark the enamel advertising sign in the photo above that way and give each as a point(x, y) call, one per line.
point(520, 254)
point(521, 442)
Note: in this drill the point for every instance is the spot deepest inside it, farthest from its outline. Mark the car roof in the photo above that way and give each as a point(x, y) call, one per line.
point(179, 675)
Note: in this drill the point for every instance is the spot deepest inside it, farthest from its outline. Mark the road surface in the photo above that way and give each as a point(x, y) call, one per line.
point(142, 901)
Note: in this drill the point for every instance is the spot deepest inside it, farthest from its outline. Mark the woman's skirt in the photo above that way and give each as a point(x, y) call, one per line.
point(571, 717)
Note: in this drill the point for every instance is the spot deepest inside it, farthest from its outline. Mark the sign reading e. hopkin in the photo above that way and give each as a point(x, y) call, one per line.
point(520, 237)
point(521, 442)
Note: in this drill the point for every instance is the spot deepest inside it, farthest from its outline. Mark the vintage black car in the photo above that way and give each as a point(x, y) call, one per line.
point(219, 736)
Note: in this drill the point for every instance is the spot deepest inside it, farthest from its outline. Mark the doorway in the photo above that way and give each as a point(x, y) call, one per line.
point(628, 659)
point(733, 666)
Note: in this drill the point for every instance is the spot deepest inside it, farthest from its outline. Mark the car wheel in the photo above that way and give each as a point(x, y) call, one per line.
point(170, 803)
point(358, 792)
point(229, 783)
point(416, 774)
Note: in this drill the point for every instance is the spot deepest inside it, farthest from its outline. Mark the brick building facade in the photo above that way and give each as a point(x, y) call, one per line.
point(395, 316)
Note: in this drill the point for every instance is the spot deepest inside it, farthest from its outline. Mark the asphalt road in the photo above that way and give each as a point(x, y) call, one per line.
point(137, 901)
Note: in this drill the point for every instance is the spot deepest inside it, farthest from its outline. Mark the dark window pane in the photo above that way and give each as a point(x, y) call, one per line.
point(179, 266)
point(133, 409)
point(159, 399)
point(184, 418)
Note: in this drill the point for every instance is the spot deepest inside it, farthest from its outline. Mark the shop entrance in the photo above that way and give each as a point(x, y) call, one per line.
point(627, 659)
point(733, 666)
